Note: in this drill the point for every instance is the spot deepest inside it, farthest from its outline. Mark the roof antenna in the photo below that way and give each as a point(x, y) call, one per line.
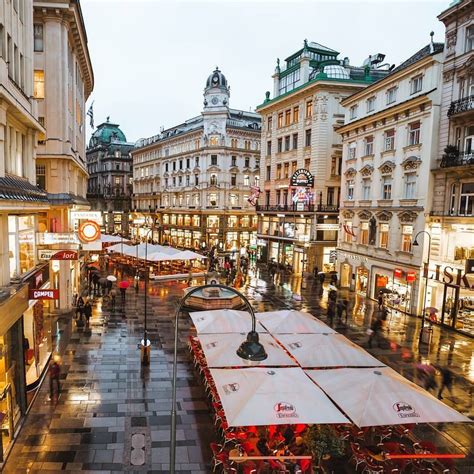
point(431, 43)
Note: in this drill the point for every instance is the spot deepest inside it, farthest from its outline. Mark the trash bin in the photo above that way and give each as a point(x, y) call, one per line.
point(145, 349)
point(426, 334)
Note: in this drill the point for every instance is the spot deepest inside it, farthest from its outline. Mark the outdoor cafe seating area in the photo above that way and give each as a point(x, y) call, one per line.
point(282, 414)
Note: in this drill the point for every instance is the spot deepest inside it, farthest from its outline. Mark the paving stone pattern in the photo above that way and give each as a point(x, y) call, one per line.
point(114, 416)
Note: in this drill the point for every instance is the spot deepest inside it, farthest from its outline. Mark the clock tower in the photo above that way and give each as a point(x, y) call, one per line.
point(216, 105)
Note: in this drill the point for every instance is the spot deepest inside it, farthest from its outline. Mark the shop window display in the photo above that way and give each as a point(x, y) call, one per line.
point(362, 278)
point(21, 244)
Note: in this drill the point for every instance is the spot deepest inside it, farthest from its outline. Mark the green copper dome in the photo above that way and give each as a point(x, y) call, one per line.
point(106, 134)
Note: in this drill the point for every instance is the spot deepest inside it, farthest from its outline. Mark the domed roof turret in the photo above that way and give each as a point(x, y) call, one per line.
point(107, 133)
point(216, 79)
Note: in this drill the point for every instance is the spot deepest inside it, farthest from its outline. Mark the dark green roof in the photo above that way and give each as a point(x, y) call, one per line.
point(107, 133)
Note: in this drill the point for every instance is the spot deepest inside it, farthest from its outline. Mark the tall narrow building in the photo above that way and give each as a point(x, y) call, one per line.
point(301, 155)
point(193, 181)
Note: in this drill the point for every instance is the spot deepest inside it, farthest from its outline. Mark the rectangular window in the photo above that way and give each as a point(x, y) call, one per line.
point(197, 160)
point(307, 163)
point(391, 95)
point(294, 165)
point(246, 180)
point(214, 160)
point(188, 163)
point(174, 165)
point(39, 84)
point(287, 143)
point(187, 180)
point(196, 180)
point(280, 120)
point(287, 169)
point(278, 173)
point(296, 114)
point(166, 167)
point(180, 164)
point(414, 133)
point(295, 141)
point(353, 112)
point(366, 184)
point(364, 233)
point(369, 145)
point(278, 194)
point(269, 148)
point(307, 137)
point(269, 122)
point(269, 173)
point(309, 109)
point(280, 145)
point(383, 236)
point(233, 180)
point(330, 197)
point(233, 161)
point(469, 38)
point(389, 140)
point(407, 233)
point(387, 187)
point(41, 176)
point(38, 37)
point(352, 150)
point(466, 200)
point(416, 84)
point(410, 185)
point(350, 189)
point(347, 235)
point(370, 104)
point(287, 117)
point(267, 198)
point(247, 162)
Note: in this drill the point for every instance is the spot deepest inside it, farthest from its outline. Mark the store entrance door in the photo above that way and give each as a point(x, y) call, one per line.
point(450, 305)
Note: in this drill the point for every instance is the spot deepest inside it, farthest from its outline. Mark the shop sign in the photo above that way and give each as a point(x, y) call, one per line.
point(302, 178)
point(411, 277)
point(448, 275)
point(53, 238)
point(398, 273)
point(65, 255)
point(43, 294)
point(95, 216)
point(327, 226)
point(300, 206)
point(89, 231)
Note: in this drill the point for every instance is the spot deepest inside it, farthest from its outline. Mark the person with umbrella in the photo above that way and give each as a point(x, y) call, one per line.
point(87, 312)
point(123, 285)
point(446, 381)
point(103, 285)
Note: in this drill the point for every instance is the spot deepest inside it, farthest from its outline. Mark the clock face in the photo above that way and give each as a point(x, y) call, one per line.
point(215, 100)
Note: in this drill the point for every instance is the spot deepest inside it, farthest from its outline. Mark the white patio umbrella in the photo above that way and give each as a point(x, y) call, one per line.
point(223, 321)
point(189, 255)
point(220, 350)
point(259, 396)
point(106, 238)
point(292, 322)
point(381, 396)
point(120, 248)
point(327, 350)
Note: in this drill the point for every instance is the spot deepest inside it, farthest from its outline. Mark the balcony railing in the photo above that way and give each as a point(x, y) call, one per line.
point(461, 105)
point(463, 159)
point(299, 208)
point(453, 213)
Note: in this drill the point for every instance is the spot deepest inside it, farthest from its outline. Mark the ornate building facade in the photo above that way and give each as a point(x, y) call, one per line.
point(451, 223)
point(109, 188)
point(301, 156)
point(193, 181)
point(389, 147)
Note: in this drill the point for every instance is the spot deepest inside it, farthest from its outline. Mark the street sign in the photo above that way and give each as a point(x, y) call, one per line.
point(65, 255)
point(88, 232)
point(43, 294)
point(52, 238)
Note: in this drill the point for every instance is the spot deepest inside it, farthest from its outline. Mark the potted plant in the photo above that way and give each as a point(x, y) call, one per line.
point(323, 445)
point(450, 156)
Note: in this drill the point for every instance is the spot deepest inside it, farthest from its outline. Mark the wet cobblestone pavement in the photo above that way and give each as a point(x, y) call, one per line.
point(107, 399)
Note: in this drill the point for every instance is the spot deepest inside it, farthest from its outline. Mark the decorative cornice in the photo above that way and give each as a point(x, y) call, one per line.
point(407, 216)
point(364, 215)
point(387, 167)
point(350, 173)
point(411, 163)
point(384, 216)
point(366, 171)
point(347, 214)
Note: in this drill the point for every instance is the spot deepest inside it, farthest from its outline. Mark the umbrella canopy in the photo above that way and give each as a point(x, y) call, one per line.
point(292, 322)
point(124, 284)
point(262, 396)
point(105, 238)
point(120, 248)
point(160, 257)
point(112, 278)
point(223, 321)
point(374, 397)
point(327, 350)
point(188, 255)
point(220, 350)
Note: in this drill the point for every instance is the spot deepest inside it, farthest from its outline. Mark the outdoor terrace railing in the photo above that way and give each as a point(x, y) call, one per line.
point(463, 159)
point(462, 105)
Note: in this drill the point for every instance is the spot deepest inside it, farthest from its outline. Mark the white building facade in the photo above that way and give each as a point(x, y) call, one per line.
point(390, 144)
point(193, 181)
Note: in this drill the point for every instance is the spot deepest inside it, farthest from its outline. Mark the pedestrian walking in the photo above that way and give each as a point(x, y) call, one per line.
point(429, 380)
point(87, 311)
point(315, 271)
point(79, 307)
point(122, 294)
point(136, 284)
point(322, 277)
point(446, 381)
point(334, 279)
point(109, 286)
point(380, 299)
point(373, 332)
point(113, 295)
point(331, 310)
point(340, 307)
point(54, 373)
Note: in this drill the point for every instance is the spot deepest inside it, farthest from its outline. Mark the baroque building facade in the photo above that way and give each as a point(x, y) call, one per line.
point(109, 189)
point(41, 165)
point(451, 223)
point(389, 147)
point(301, 156)
point(193, 181)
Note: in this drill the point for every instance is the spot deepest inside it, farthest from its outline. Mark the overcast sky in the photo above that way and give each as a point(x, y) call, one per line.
point(151, 58)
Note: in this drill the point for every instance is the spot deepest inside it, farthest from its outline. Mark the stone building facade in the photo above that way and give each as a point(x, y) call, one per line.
point(301, 156)
point(192, 182)
point(109, 189)
point(451, 223)
point(390, 144)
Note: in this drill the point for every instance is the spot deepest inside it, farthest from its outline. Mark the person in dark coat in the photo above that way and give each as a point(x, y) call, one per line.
point(80, 307)
point(87, 312)
point(380, 299)
point(109, 286)
point(446, 381)
point(54, 373)
point(376, 327)
point(322, 277)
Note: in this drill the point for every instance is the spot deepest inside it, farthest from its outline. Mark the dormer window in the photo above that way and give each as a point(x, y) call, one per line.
point(353, 112)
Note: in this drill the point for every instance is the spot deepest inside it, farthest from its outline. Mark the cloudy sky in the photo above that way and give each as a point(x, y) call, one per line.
point(151, 58)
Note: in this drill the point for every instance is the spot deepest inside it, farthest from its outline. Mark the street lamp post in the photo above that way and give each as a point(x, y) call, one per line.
point(145, 343)
point(251, 349)
point(426, 270)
